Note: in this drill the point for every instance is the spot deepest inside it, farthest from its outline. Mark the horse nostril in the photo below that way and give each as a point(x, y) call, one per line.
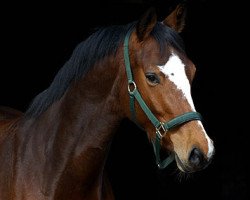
point(196, 158)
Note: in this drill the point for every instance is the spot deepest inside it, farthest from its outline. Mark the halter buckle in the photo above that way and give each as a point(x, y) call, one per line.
point(161, 130)
point(131, 87)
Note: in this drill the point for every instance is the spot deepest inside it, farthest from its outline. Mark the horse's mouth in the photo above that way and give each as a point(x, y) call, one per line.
point(181, 166)
point(187, 168)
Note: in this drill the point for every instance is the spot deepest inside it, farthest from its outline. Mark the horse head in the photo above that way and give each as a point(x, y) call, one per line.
point(162, 75)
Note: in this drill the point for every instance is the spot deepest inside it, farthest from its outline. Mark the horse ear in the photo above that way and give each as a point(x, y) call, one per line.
point(146, 24)
point(176, 19)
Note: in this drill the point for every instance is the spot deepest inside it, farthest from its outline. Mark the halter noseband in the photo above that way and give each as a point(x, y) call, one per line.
point(160, 127)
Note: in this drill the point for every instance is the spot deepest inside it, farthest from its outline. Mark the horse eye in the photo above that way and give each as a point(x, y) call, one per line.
point(152, 78)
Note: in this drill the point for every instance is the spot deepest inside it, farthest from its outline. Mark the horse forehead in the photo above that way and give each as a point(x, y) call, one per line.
point(176, 62)
point(174, 69)
point(151, 53)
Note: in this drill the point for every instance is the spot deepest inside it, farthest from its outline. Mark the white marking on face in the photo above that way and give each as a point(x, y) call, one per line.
point(210, 144)
point(174, 69)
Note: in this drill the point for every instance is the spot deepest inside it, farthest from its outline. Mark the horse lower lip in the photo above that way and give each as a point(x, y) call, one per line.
point(183, 167)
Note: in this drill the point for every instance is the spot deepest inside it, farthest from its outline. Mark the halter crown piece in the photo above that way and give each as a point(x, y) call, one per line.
point(161, 128)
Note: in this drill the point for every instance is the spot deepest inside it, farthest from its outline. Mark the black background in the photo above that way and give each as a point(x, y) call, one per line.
point(37, 39)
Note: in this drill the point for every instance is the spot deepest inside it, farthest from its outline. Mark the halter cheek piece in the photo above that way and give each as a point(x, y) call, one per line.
point(161, 128)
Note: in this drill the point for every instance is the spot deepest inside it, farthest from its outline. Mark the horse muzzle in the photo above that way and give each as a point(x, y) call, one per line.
point(196, 161)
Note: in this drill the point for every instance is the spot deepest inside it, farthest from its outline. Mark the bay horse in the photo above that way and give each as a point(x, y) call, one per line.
point(57, 149)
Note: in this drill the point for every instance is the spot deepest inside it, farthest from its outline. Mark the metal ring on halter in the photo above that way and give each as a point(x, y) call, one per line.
point(161, 130)
point(133, 85)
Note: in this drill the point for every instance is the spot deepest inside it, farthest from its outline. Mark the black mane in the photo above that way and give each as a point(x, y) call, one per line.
point(103, 42)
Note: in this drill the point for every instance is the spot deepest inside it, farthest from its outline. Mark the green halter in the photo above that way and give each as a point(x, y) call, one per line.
point(160, 127)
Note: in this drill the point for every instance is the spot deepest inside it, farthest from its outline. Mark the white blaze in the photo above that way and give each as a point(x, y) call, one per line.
point(209, 141)
point(174, 69)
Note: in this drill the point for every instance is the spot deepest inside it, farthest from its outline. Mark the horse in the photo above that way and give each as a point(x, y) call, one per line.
point(58, 147)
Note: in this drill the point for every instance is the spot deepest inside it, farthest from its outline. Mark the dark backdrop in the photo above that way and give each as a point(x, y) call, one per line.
point(37, 39)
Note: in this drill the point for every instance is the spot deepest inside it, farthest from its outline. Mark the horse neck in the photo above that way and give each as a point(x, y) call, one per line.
point(90, 111)
point(80, 126)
